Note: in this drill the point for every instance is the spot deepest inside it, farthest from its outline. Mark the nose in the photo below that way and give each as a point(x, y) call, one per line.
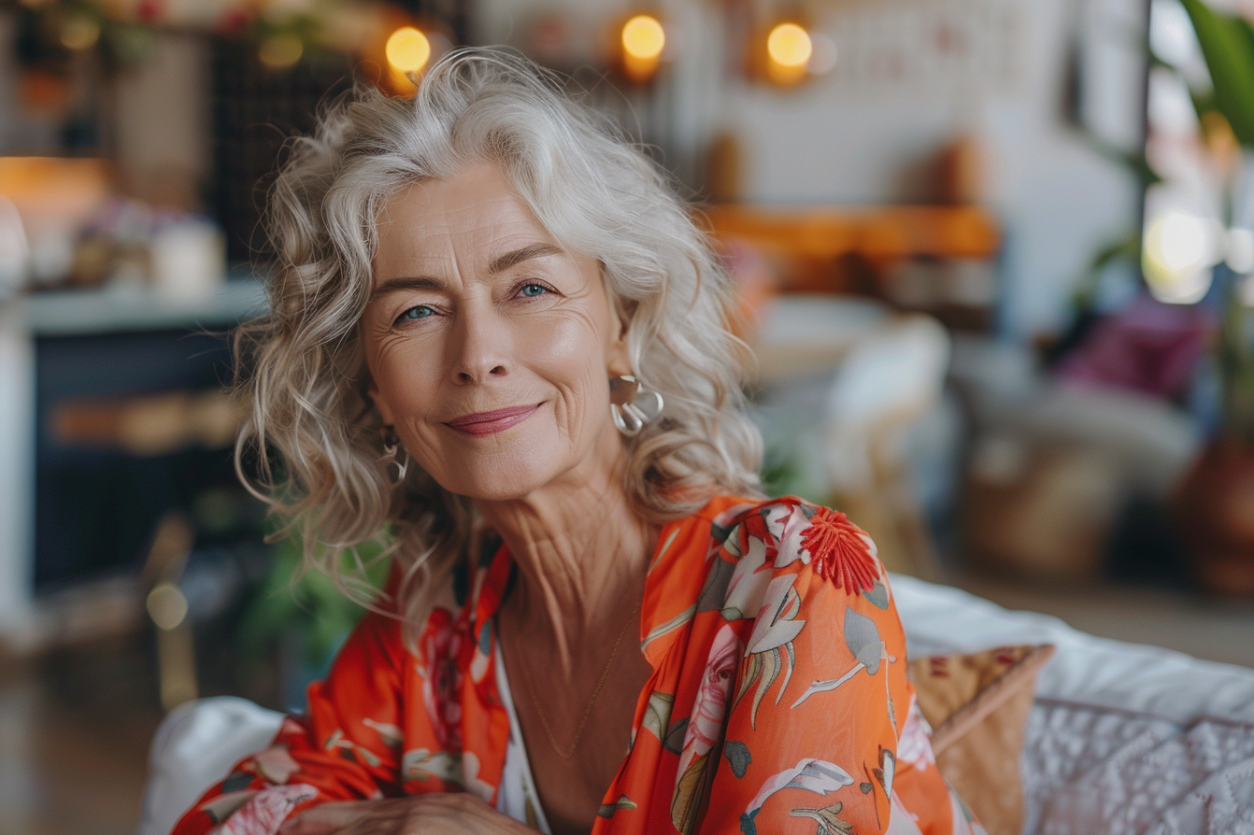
point(481, 347)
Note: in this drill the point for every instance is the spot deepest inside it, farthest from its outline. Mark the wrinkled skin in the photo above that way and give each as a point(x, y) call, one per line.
point(432, 814)
point(478, 308)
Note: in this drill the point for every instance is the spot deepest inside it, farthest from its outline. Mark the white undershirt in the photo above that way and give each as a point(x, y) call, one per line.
point(518, 788)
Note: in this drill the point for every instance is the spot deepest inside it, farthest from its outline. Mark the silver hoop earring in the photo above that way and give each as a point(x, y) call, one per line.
point(632, 405)
point(391, 455)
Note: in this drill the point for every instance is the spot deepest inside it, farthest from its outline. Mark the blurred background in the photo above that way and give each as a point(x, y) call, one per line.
point(996, 258)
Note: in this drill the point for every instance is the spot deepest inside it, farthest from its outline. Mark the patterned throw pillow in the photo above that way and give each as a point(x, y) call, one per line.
point(978, 708)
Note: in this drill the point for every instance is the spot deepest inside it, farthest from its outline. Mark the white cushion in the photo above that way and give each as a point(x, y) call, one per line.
point(1086, 669)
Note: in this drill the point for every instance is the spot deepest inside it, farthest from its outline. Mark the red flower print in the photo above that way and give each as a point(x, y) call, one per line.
point(840, 551)
point(755, 526)
point(442, 681)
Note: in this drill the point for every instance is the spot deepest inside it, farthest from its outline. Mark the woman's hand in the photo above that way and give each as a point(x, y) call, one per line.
point(453, 813)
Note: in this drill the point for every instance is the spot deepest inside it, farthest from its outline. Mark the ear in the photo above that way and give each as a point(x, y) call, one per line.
point(385, 412)
point(618, 355)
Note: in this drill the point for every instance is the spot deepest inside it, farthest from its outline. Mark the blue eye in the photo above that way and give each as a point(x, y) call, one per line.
point(532, 290)
point(421, 311)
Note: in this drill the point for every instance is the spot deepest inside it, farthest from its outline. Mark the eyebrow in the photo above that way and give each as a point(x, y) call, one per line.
point(516, 257)
point(500, 265)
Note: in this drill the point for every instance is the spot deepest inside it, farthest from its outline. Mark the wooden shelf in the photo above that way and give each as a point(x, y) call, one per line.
point(880, 234)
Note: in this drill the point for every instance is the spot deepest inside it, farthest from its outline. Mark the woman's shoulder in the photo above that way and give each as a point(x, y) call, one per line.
point(794, 542)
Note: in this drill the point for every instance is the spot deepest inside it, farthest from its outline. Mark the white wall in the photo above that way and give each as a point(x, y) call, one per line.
point(17, 472)
point(836, 141)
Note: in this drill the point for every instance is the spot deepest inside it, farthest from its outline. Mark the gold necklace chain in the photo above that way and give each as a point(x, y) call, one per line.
point(568, 753)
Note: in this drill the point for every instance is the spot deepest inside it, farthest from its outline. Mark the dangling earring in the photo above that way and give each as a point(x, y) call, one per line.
point(632, 405)
point(391, 449)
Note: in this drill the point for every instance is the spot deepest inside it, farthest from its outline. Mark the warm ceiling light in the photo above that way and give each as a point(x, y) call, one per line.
point(408, 50)
point(643, 37)
point(789, 45)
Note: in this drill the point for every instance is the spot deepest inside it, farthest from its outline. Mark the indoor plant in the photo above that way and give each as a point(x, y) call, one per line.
point(1215, 504)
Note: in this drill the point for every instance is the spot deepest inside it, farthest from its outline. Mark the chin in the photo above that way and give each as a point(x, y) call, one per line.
point(499, 480)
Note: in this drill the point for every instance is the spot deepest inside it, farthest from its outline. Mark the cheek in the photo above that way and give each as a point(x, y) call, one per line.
point(569, 351)
point(406, 375)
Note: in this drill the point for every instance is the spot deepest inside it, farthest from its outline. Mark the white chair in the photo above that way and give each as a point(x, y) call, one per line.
point(885, 384)
point(847, 383)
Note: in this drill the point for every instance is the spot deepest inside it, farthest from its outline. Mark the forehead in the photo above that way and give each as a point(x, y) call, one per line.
point(473, 214)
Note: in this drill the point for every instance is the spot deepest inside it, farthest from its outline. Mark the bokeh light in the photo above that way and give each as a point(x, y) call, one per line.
point(1240, 251)
point(281, 51)
point(823, 55)
point(643, 37)
point(80, 33)
point(1179, 252)
point(408, 49)
point(789, 45)
point(167, 606)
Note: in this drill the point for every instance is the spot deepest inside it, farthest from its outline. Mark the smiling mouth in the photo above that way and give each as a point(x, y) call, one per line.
point(480, 424)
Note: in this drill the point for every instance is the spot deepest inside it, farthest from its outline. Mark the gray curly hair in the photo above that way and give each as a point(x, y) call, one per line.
point(310, 442)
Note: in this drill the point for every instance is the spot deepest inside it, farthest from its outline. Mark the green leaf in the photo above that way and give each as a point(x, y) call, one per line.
point(878, 595)
point(862, 637)
point(308, 602)
point(674, 741)
point(688, 795)
point(657, 713)
point(714, 594)
point(828, 818)
point(1228, 45)
point(772, 662)
point(738, 757)
point(607, 810)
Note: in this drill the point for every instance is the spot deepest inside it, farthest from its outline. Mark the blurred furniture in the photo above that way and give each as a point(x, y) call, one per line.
point(1122, 738)
point(167, 607)
point(939, 260)
point(48, 202)
point(885, 384)
point(844, 381)
point(66, 516)
point(880, 234)
point(1055, 468)
point(799, 334)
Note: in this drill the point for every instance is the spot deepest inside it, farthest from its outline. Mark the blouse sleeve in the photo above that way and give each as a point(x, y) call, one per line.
point(345, 747)
point(820, 695)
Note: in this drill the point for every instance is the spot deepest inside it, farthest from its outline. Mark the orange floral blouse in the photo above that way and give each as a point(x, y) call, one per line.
point(778, 701)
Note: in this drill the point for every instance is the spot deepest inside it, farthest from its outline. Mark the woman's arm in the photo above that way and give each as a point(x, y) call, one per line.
point(813, 727)
point(442, 813)
point(346, 747)
point(820, 698)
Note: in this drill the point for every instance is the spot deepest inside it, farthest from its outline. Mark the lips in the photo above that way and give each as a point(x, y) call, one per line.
point(489, 423)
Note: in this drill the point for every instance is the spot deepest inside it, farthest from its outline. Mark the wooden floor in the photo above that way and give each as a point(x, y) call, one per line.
point(74, 733)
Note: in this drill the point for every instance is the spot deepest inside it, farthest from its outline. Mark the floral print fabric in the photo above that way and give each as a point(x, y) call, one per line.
point(778, 701)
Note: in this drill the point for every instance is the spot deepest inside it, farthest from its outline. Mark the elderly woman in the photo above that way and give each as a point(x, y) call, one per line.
point(496, 333)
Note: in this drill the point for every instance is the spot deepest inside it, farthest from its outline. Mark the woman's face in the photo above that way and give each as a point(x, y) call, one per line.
point(490, 345)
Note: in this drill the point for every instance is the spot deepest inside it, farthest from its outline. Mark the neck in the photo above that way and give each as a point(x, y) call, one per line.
point(582, 553)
